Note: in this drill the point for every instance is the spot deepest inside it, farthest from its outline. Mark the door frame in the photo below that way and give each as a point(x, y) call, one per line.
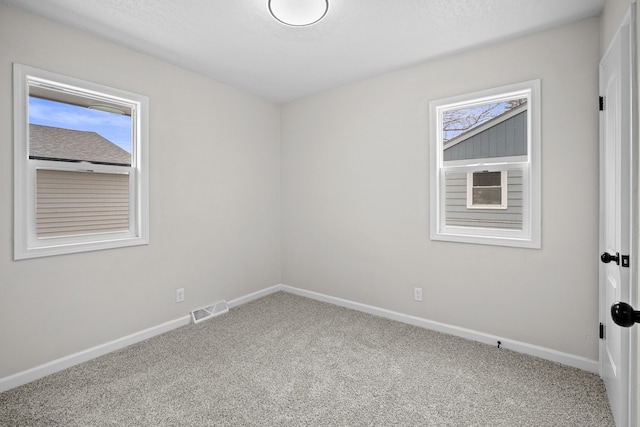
point(632, 204)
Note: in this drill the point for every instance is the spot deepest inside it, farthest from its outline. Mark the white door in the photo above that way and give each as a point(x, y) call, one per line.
point(616, 164)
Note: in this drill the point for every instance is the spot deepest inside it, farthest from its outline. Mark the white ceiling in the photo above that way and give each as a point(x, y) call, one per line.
point(237, 42)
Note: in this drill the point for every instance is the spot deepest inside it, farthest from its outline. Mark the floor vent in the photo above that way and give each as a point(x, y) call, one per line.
point(210, 311)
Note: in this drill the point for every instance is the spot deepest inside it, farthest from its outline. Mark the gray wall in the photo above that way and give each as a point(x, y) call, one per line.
point(355, 182)
point(215, 203)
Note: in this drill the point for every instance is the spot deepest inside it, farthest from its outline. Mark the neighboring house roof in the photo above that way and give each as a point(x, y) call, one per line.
point(504, 135)
point(52, 143)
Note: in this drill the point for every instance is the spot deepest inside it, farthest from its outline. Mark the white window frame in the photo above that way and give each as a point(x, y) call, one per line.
point(530, 165)
point(26, 243)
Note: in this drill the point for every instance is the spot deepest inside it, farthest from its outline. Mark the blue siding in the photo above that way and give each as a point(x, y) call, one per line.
point(505, 139)
point(457, 213)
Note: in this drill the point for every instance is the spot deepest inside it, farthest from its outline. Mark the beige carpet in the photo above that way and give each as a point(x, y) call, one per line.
point(285, 360)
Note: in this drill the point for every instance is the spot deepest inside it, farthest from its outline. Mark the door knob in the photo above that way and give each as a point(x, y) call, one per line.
point(624, 315)
point(607, 258)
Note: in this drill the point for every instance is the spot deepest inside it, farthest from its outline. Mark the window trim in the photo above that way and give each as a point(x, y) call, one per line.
point(530, 235)
point(26, 244)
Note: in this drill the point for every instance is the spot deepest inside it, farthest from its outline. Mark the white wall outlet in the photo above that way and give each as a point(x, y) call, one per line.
point(180, 295)
point(417, 294)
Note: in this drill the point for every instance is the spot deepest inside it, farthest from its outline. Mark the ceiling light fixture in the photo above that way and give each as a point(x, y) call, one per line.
point(298, 13)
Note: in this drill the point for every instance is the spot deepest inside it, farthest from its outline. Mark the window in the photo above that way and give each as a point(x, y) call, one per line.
point(81, 170)
point(487, 190)
point(485, 167)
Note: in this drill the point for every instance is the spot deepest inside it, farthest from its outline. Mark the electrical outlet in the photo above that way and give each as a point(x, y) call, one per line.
point(417, 294)
point(180, 295)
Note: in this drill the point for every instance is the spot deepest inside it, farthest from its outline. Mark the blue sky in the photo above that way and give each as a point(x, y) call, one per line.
point(460, 116)
point(114, 127)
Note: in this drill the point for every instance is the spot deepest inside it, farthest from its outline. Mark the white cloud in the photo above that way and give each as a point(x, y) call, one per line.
point(115, 127)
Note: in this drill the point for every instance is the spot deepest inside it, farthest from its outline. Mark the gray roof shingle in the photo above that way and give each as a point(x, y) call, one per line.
point(52, 143)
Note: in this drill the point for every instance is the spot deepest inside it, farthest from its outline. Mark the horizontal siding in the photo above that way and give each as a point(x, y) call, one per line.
point(72, 203)
point(508, 138)
point(457, 213)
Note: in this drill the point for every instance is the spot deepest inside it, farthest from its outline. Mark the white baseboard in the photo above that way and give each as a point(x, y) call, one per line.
point(518, 346)
point(255, 295)
point(57, 365)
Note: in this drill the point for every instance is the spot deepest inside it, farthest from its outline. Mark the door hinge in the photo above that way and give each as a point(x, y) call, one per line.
point(601, 103)
point(601, 331)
